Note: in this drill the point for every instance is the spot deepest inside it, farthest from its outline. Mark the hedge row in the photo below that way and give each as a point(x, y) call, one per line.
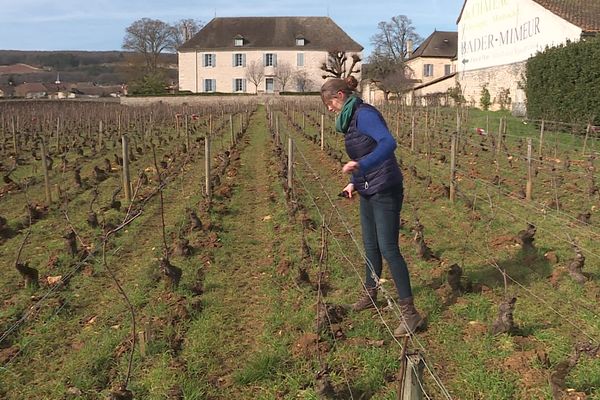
point(563, 83)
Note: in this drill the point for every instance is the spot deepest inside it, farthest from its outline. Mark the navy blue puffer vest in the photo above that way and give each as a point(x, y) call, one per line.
point(359, 145)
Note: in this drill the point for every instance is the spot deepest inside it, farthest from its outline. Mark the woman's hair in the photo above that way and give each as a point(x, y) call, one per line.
point(332, 86)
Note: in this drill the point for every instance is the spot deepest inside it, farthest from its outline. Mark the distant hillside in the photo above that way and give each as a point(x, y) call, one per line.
point(19, 69)
point(103, 67)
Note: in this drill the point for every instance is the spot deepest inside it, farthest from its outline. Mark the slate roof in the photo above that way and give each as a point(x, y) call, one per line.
point(276, 33)
point(583, 13)
point(439, 44)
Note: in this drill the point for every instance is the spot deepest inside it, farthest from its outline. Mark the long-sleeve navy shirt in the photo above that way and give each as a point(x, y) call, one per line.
point(371, 123)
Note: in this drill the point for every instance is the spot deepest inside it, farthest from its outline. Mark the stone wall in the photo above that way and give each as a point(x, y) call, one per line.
point(497, 78)
point(180, 100)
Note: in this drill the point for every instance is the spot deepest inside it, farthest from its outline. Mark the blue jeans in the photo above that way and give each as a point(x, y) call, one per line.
point(380, 221)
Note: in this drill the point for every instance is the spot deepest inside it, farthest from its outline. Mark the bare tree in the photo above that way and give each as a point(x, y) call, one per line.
point(335, 66)
point(392, 39)
point(285, 73)
point(386, 68)
point(149, 37)
point(303, 82)
point(255, 73)
point(185, 29)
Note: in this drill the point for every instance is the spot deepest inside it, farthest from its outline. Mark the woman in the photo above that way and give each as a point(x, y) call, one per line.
point(378, 180)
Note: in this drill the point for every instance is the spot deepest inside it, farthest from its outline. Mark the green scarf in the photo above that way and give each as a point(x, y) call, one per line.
point(342, 121)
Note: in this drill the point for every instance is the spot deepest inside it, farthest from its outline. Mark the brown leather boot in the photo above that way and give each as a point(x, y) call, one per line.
point(366, 301)
point(411, 319)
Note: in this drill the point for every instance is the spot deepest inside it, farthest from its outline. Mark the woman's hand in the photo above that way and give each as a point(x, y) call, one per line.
point(350, 167)
point(349, 189)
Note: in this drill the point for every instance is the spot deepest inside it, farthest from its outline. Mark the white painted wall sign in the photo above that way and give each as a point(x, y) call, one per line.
point(500, 32)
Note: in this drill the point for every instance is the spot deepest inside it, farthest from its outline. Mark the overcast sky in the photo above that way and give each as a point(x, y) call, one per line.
point(100, 24)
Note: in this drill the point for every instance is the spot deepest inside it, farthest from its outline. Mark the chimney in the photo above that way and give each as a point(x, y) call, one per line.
point(409, 48)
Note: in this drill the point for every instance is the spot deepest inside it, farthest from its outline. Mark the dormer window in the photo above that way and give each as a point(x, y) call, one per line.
point(238, 41)
point(300, 41)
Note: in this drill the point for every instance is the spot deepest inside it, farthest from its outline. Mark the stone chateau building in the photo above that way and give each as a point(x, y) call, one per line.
point(261, 54)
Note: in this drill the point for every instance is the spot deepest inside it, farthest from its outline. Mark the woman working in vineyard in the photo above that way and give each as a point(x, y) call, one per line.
point(377, 178)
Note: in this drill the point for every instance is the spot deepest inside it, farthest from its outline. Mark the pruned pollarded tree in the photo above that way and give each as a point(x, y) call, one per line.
point(150, 37)
point(185, 29)
point(335, 66)
point(285, 73)
point(255, 74)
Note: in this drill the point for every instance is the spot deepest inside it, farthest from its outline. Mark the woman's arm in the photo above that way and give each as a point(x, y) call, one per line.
point(371, 123)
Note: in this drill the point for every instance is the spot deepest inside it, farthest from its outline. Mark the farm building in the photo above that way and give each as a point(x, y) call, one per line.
point(31, 90)
point(496, 37)
point(7, 91)
point(433, 65)
point(261, 54)
point(431, 70)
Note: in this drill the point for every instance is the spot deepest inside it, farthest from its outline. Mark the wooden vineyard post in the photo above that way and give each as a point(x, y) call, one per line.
point(3, 143)
point(207, 167)
point(188, 145)
point(100, 135)
point(412, 135)
point(413, 376)
point(58, 135)
point(322, 131)
point(241, 123)
point(303, 123)
point(126, 173)
point(276, 129)
point(45, 171)
point(290, 172)
point(142, 342)
point(397, 125)
point(587, 135)
point(500, 129)
point(529, 171)
point(458, 121)
point(453, 168)
point(231, 130)
point(14, 135)
point(403, 364)
point(541, 139)
point(487, 123)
